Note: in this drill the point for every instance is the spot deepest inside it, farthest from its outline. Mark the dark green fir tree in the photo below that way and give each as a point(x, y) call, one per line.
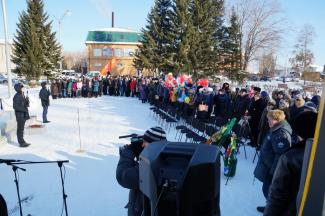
point(182, 28)
point(163, 35)
point(145, 57)
point(35, 49)
point(201, 53)
point(232, 51)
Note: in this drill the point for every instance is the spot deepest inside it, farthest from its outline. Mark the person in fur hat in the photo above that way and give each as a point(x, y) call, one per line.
point(284, 191)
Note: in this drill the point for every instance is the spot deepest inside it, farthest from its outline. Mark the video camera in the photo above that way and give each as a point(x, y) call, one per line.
point(135, 138)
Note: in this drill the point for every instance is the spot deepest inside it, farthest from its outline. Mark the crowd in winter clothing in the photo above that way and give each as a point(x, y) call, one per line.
point(276, 121)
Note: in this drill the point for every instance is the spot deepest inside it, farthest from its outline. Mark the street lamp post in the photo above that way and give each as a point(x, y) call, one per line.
point(60, 19)
point(7, 48)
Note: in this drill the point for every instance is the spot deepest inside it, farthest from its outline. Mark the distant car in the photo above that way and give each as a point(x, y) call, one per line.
point(69, 74)
point(4, 79)
point(265, 78)
point(253, 78)
point(92, 74)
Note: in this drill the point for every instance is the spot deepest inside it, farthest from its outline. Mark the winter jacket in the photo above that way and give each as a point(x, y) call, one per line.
point(143, 92)
point(44, 95)
point(74, 87)
point(222, 105)
point(294, 112)
point(276, 142)
point(127, 175)
point(54, 89)
point(96, 86)
point(240, 106)
point(255, 112)
point(285, 184)
point(133, 85)
point(20, 105)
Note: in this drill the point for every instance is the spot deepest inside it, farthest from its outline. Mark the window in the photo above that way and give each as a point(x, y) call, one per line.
point(128, 52)
point(98, 64)
point(97, 52)
point(107, 52)
point(118, 52)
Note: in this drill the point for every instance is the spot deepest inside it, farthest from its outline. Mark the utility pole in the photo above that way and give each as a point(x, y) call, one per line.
point(60, 19)
point(7, 48)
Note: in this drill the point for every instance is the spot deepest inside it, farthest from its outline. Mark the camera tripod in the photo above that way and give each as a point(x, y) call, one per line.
point(243, 127)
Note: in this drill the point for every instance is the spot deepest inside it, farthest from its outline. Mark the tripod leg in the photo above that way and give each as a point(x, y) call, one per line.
point(17, 187)
point(63, 191)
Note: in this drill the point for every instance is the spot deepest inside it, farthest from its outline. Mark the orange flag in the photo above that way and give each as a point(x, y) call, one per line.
point(108, 67)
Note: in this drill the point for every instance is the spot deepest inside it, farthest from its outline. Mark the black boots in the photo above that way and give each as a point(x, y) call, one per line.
point(23, 145)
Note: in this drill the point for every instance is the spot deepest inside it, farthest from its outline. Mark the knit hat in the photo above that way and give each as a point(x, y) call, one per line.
point(154, 134)
point(18, 87)
point(305, 124)
point(264, 94)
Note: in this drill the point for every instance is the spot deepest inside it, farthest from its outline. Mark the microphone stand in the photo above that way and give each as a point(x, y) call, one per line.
point(60, 163)
point(15, 169)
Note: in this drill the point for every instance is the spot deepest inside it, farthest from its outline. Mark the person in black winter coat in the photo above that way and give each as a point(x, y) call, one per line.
point(127, 171)
point(222, 107)
point(276, 142)
point(257, 105)
point(287, 177)
point(297, 107)
point(44, 95)
point(241, 104)
point(20, 105)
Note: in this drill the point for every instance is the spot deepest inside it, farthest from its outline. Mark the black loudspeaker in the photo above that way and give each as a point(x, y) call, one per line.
point(180, 179)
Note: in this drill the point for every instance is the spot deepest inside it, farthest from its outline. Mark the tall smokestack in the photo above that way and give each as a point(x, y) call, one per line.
point(112, 19)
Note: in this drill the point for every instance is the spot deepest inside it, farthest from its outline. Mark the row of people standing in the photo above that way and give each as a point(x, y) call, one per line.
point(72, 88)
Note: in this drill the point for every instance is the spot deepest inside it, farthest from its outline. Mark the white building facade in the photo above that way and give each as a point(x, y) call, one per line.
point(3, 68)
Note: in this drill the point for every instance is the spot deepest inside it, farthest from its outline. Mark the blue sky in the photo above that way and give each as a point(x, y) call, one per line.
point(93, 14)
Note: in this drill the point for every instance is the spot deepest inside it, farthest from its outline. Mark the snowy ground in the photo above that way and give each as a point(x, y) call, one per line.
point(90, 177)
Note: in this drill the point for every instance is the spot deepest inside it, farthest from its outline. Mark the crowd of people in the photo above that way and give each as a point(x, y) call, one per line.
point(280, 123)
point(98, 86)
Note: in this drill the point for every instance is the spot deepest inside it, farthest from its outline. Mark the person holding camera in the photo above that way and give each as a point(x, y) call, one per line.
point(127, 171)
point(20, 105)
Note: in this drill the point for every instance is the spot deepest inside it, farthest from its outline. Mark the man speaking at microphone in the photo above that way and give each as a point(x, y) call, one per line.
point(20, 105)
point(127, 171)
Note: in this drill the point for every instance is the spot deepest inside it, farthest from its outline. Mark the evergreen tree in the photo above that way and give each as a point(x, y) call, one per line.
point(202, 40)
point(36, 51)
point(145, 57)
point(182, 28)
point(219, 34)
point(232, 51)
point(162, 34)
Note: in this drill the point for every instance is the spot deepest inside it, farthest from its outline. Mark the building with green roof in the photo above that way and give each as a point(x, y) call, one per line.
point(112, 45)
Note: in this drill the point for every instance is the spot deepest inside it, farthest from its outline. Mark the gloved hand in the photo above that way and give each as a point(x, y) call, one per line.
point(136, 148)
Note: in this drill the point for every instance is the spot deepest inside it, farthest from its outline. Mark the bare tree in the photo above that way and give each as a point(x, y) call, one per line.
point(267, 63)
point(74, 60)
point(261, 27)
point(303, 56)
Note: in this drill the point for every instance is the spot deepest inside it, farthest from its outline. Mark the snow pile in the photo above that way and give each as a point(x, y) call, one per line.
point(90, 177)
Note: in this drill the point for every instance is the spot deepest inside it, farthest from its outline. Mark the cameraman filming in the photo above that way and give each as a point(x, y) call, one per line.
point(127, 171)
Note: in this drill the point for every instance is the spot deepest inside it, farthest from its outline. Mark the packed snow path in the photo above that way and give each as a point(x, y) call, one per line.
point(90, 176)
